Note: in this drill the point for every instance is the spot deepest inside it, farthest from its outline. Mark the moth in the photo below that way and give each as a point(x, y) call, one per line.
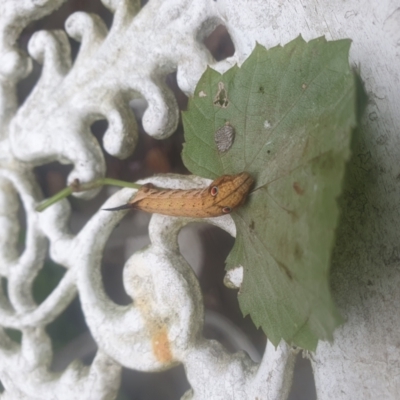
point(221, 197)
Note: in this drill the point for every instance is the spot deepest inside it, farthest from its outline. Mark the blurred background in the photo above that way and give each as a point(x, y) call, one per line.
point(204, 246)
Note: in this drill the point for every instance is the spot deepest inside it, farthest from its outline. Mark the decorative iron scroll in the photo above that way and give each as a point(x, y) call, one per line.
point(163, 326)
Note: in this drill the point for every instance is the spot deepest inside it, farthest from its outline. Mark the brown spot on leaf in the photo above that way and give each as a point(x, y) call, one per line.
point(298, 251)
point(298, 189)
point(324, 162)
point(252, 225)
point(221, 98)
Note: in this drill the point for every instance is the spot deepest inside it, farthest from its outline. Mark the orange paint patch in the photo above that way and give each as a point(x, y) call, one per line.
point(161, 345)
point(298, 189)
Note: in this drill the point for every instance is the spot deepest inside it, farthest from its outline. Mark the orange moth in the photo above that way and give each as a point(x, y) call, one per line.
point(221, 197)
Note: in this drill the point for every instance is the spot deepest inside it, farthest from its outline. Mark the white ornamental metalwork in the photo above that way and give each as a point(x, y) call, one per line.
point(163, 326)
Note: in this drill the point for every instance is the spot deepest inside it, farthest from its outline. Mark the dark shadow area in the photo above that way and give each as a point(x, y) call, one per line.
point(303, 386)
point(98, 128)
point(181, 97)
point(219, 43)
point(47, 280)
point(206, 248)
point(14, 334)
point(166, 385)
point(114, 259)
point(26, 85)
point(22, 227)
point(52, 177)
point(361, 211)
point(69, 325)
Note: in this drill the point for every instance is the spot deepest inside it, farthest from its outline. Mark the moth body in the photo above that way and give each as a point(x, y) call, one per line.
point(221, 197)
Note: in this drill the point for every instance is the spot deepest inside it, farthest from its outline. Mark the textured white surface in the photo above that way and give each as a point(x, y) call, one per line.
point(130, 61)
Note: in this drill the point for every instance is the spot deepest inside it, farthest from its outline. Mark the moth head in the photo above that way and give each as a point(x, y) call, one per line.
point(230, 191)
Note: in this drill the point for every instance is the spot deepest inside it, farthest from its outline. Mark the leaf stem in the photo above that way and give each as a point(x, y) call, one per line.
point(76, 186)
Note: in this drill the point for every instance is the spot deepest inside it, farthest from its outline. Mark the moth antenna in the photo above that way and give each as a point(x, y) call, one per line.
point(123, 207)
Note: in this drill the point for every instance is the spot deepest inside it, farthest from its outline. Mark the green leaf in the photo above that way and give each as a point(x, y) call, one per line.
point(293, 109)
